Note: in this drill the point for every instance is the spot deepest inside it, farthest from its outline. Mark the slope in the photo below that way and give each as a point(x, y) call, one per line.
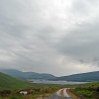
point(90, 76)
point(27, 75)
point(8, 82)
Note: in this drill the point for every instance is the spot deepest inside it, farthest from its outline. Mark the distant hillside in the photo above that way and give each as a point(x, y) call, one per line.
point(27, 75)
point(8, 82)
point(90, 76)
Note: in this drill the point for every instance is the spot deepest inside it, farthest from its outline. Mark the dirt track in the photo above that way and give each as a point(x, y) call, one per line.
point(61, 94)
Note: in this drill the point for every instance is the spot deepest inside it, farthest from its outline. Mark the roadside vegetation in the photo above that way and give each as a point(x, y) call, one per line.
point(87, 91)
point(33, 93)
point(11, 87)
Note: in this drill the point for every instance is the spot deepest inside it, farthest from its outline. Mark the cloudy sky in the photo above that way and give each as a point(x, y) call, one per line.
point(60, 37)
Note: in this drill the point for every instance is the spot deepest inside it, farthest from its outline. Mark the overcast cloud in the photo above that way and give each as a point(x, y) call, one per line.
point(49, 36)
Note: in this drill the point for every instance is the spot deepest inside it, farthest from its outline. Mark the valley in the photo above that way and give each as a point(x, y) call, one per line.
point(10, 88)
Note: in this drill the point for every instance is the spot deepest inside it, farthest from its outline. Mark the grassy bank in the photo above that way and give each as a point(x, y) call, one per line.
point(88, 91)
point(15, 85)
point(35, 90)
point(42, 91)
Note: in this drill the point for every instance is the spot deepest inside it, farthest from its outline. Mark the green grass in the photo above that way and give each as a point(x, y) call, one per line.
point(16, 85)
point(44, 91)
point(88, 91)
point(8, 82)
point(11, 83)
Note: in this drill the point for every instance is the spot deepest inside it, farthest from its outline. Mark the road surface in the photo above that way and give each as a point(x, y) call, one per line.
point(61, 94)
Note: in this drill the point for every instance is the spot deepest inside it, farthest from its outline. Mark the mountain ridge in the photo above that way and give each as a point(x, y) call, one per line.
point(88, 76)
point(83, 77)
point(27, 75)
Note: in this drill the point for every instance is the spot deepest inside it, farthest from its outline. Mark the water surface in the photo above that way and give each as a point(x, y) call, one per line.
point(55, 82)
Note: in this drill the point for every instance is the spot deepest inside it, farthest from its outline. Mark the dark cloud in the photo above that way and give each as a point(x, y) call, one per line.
point(82, 61)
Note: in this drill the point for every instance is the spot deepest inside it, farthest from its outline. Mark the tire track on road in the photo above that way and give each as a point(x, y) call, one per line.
point(60, 94)
point(65, 94)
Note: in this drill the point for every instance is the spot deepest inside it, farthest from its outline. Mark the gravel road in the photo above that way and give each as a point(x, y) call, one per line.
point(60, 94)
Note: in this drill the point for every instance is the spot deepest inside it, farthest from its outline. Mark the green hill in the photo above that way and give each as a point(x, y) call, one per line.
point(15, 85)
point(26, 75)
point(8, 82)
point(11, 83)
point(90, 76)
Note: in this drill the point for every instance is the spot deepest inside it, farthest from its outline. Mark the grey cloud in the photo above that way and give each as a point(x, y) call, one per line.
point(33, 41)
point(96, 59)
point(82, 61)
point(81, 43)
point(80, 6)
point(83, 6)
